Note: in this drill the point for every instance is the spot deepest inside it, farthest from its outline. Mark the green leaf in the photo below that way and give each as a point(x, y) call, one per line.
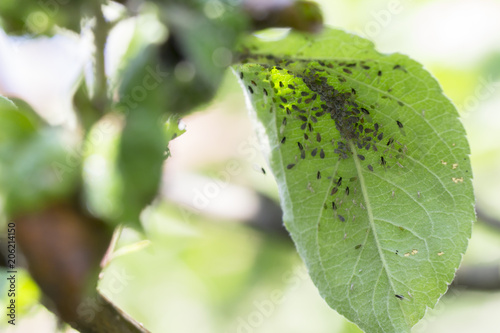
point(5, 102)
point(38, 170)
point(123, 166)
point(35, 166)
point(140, 160)
point(202, 36)
point(15, 124)
point(102, 183)
point(373, 170)
point(42, 17)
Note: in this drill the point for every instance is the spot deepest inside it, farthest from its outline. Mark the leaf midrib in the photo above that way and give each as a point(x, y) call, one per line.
point(371, 220)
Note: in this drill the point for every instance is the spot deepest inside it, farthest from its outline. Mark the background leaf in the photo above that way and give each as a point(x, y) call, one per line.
point(37, 163)
point(373, 170)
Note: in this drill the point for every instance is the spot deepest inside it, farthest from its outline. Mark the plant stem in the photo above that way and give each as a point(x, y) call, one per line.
point(101, 31)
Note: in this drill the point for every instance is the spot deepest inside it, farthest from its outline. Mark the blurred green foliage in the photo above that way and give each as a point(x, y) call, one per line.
point(44, 16)
point(191, 254)
point(33, 161)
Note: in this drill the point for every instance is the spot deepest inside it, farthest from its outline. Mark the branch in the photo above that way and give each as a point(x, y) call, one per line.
point(486, 218)
point(108, 318)
point(101, 31)
point(478, 277)
point(63, 249)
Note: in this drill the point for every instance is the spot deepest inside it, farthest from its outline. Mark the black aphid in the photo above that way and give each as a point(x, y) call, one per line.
point(353, 91)
point(400, 68)
point(399, 124)
point(390, 141)
point(306, 137)
point(284, 121)
point(303, 118)
point(334, 190)
point(241, 75)
point(370, 167)
point(314, 120)
point(334, 206)
point(283, 99)
point(300, 146)
point(382, 160)
point(341, 218)
point(251, 90)
point(357, 247)
point(303, 126)
point(281, 84)
point(318, 175)
point(318, 137)
point(380, 136)
point(291, 87)
point(314, 151)
point(379, 73)
point(365, 111)
point(265, 91)
point(375, 127)
point(347, 190)
point(339, 181)
point(322, 154)
point(283, 140)
point(361, 157)
point(289, 166)
point(399, 296)
point(303, 93)
point(253, 82)
point(302, 154)
point(365, 67)
point(310, 127)
point(263, 171)
point(346, 70)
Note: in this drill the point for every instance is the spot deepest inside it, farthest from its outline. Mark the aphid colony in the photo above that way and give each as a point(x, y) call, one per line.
point(318, 101)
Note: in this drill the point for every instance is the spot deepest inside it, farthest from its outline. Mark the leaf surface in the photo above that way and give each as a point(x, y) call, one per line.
point(373, 170)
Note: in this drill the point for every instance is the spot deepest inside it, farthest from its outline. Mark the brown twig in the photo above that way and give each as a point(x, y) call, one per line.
point(108, 318)
point(63, 249)
point(478, 277)
point(482, 216)
point(101, 31)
